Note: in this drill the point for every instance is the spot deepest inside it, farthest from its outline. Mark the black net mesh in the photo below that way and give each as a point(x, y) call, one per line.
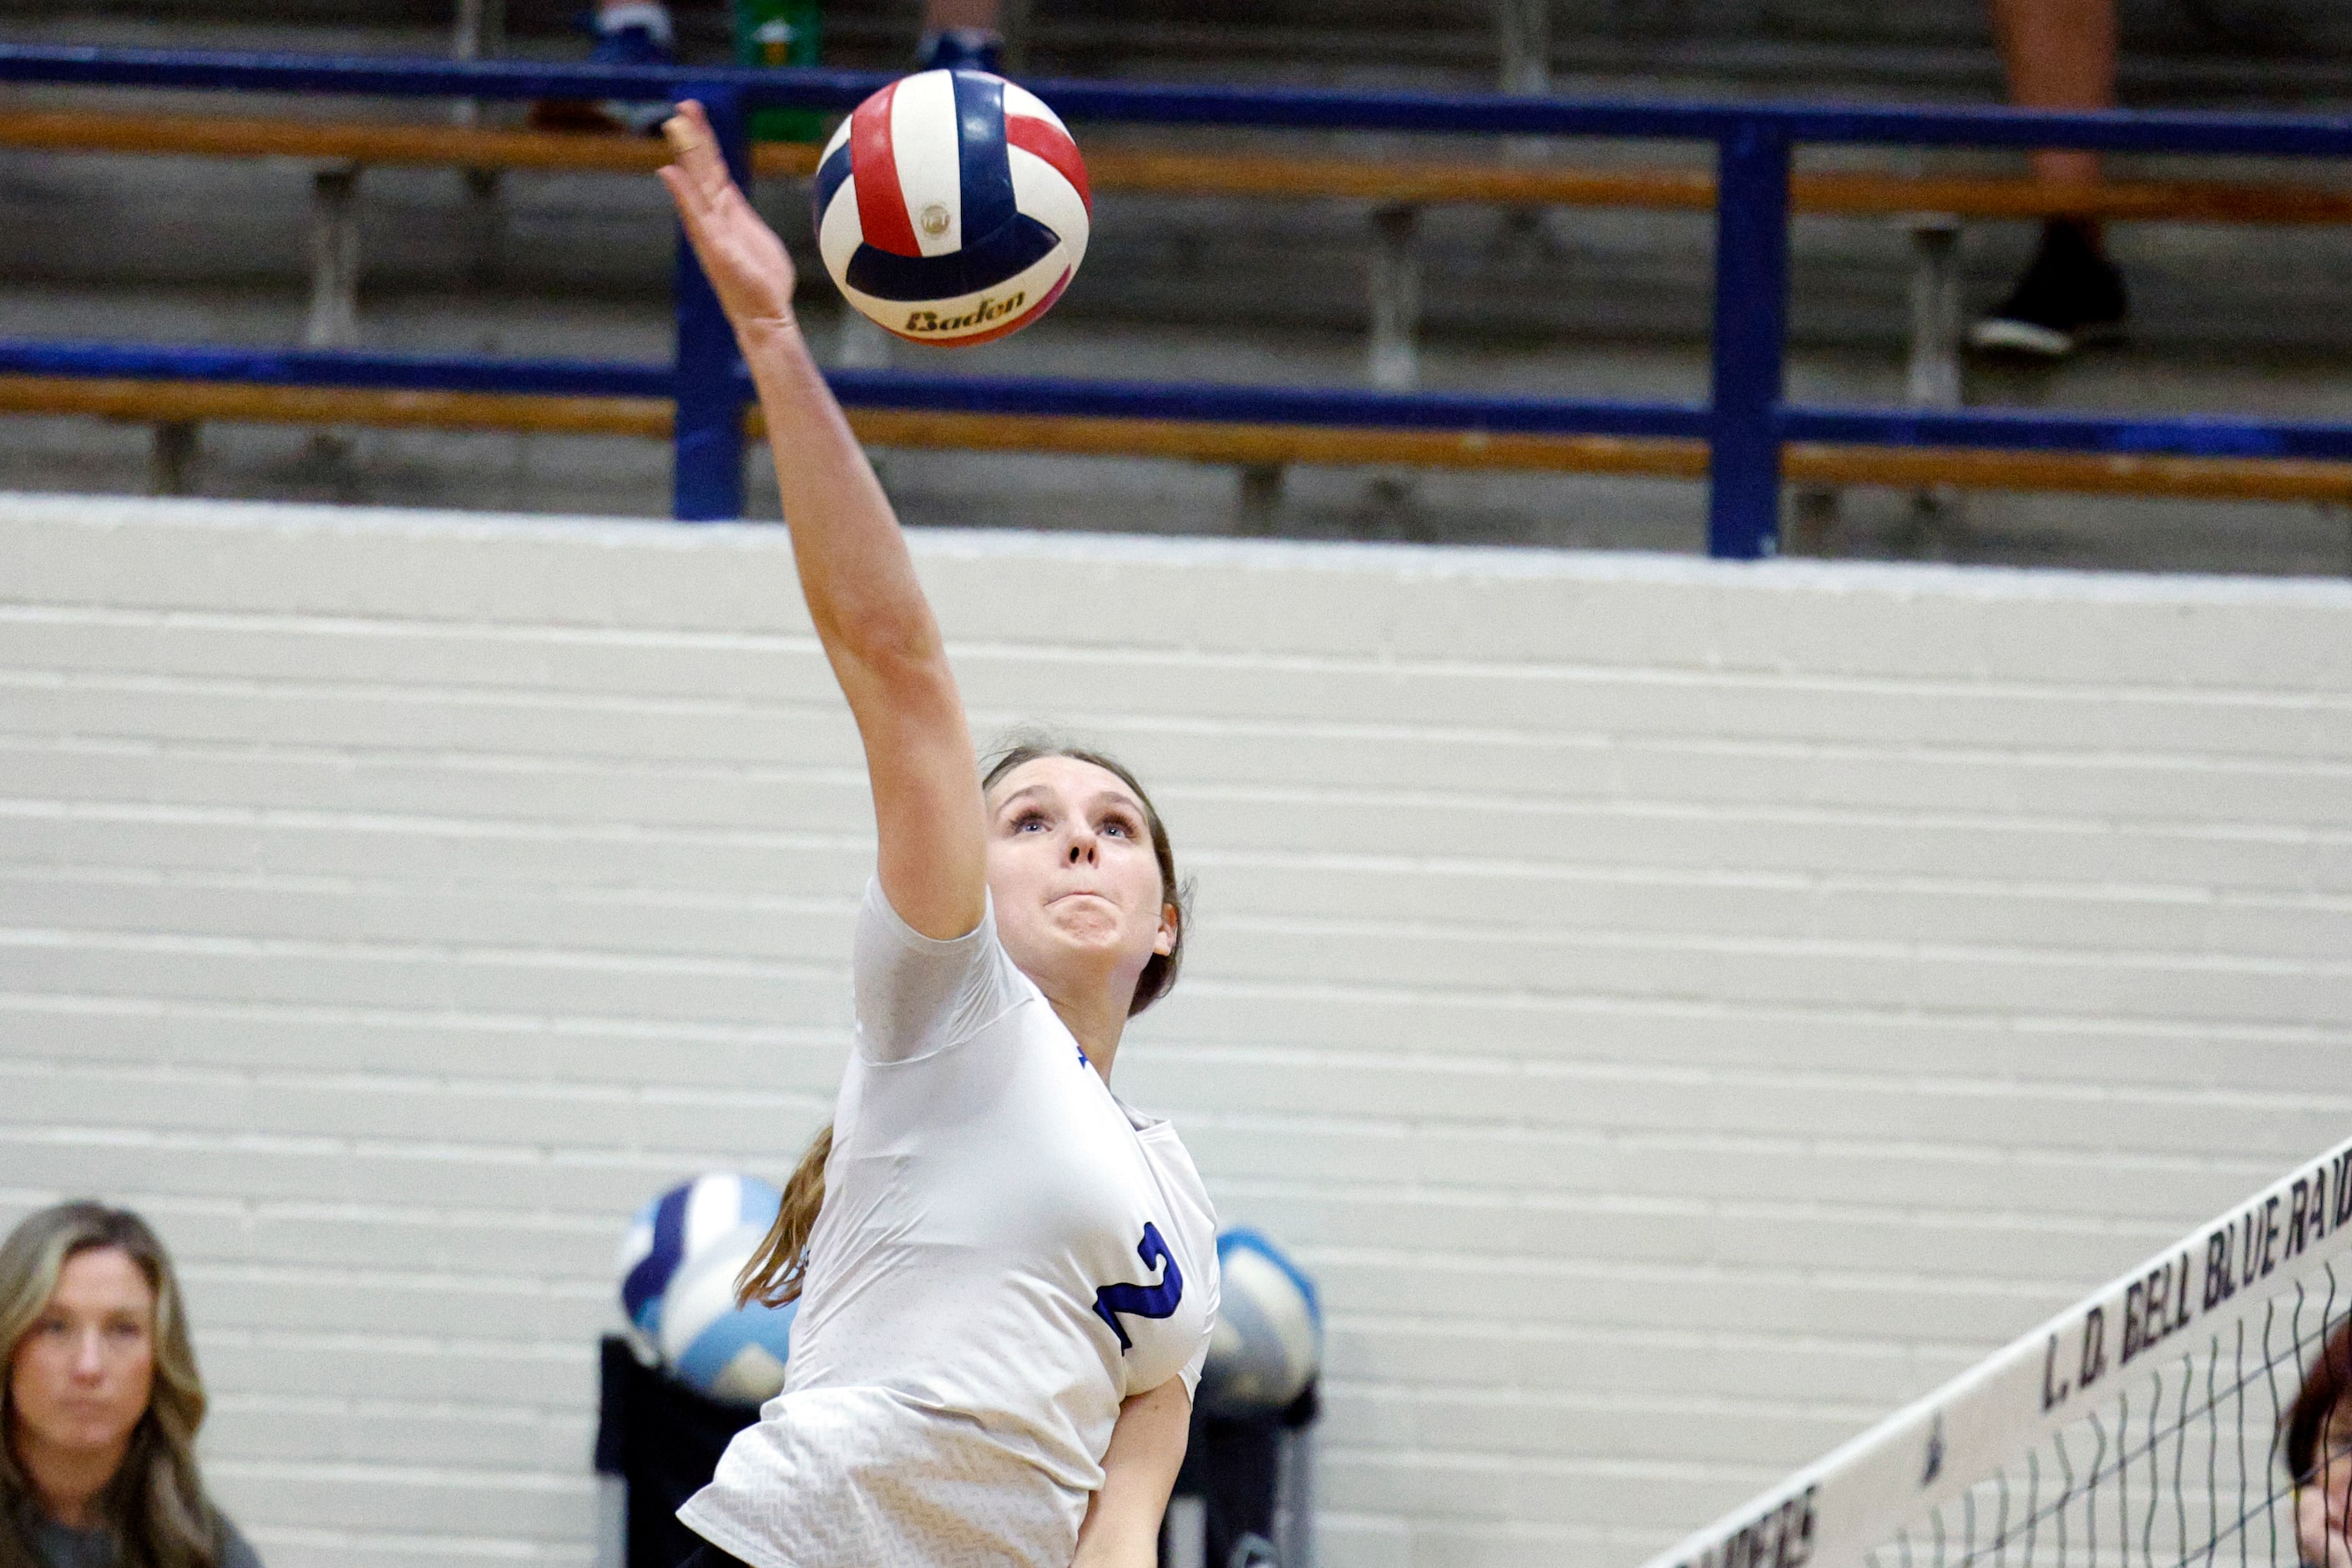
point(2148, 1427)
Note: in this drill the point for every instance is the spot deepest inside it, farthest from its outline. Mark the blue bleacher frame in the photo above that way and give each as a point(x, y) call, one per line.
point(1746, 421)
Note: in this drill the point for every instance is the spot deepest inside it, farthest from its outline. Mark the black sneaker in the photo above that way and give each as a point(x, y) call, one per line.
point(2071, 295)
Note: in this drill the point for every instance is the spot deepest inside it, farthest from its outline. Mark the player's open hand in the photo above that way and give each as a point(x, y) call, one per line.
point(745, 263)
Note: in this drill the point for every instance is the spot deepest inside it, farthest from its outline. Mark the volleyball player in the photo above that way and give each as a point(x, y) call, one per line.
point(1008, 1277)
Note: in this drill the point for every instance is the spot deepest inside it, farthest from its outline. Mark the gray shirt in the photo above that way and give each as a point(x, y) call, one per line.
point(61, 1546)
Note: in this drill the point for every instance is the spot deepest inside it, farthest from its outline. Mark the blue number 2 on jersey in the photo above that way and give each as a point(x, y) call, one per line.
point(1142, 1300)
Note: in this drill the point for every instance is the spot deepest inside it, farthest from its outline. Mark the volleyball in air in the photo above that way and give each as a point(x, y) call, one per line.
point(1268, 1343)
point(952, 207)
point(678, 1266)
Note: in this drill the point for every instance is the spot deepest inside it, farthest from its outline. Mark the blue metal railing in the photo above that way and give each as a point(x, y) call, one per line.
point(1745, 421)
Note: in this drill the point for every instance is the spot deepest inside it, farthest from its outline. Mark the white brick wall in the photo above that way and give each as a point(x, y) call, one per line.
point(1677, 1010)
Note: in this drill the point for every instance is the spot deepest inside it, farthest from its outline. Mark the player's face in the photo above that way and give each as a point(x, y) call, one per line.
point(2323, 1504)
point(1077, 887)
point(80, 1378)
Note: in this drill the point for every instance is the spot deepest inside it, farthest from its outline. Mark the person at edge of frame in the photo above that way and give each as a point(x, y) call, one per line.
point(2059, 54)
point(955, 33)
point(102, 1402)
point(2317, 1444)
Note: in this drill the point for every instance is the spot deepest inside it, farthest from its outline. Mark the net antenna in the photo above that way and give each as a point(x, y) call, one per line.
point(2139, 1428)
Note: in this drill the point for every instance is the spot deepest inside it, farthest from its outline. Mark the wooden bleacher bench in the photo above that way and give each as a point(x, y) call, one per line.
point(1115, 168)
point(1392, 185)
point(1246, 446)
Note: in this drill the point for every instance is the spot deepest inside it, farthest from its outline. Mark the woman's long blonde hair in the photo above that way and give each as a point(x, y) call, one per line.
point(155, 1507)
point(773, 1275)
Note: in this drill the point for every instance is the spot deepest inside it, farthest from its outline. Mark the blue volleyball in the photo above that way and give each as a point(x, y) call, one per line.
point(1268, 1343)
point(677, 1266)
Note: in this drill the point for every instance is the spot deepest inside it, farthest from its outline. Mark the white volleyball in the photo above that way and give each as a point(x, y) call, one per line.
point(678, 1266)
point(952, 207)
point(1267, 1344)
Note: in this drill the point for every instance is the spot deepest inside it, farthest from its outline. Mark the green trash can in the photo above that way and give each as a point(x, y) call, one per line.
point(780, 33)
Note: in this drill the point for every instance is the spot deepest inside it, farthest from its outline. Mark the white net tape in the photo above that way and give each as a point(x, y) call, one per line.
point(2140, 1428)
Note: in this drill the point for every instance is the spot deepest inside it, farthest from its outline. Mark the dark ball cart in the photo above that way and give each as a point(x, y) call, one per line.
point(1242, 1499)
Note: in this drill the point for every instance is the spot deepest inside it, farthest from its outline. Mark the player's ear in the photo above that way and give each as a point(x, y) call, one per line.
point(1163, 942)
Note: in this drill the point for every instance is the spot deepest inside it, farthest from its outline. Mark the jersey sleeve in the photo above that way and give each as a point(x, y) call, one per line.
point(1191, 1369)
point(1194, 1364)
point(916, 995)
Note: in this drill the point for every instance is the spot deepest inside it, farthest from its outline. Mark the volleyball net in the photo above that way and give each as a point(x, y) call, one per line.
point(2142, 1428)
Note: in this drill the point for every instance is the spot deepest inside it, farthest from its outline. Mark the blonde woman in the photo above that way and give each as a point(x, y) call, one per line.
point(101, 1403)
point(1009, 1274)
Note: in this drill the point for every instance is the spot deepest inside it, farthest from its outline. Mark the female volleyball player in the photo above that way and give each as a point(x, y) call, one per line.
point(1009, 1285)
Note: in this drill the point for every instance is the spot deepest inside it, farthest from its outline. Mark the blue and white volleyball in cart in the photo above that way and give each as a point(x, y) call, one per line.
point(1268, 1343)
point(677, 1268)
point(952, 207)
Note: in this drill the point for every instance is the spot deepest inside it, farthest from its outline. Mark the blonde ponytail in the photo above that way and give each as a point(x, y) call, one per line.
point(773, 1275)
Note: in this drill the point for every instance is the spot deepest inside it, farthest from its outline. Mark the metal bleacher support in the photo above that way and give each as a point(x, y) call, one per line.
point(1932, 379)
point(1743, 440)
point(1523, 33)
point(333, 321)
point(709, 435)
point(1392, 343)
point(477, 33)
point(1392, 347)
point(1932, 376)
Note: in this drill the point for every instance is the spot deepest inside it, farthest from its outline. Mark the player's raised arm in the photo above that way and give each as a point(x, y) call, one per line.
point(1091, 1271)
point(869, 610)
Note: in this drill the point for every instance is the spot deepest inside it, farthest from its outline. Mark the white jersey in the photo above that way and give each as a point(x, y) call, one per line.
point(1005, 1252)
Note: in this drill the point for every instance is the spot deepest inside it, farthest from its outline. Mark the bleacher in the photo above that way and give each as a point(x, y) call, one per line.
point(1406, 207)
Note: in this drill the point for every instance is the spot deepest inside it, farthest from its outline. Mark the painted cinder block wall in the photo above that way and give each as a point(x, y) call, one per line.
point(1677, 1010)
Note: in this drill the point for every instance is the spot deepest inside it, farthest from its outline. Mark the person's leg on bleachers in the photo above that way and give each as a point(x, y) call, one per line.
point(960, 33)
point(627, 32)
point(2059, 54)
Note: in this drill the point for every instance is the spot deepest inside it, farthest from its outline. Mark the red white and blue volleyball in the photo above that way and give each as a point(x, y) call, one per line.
point(952, 207)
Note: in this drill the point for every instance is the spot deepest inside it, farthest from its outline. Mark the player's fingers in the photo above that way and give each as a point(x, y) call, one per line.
point(714, 218)
point(696, 151)
point(687, 123)
point(684, 189)
point(681, 194)
point(692, 211)
point(692, 217)
point(733, 206)
point(709, 164)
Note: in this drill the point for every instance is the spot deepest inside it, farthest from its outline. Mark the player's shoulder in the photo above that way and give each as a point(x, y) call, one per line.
point(1171, 1163)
